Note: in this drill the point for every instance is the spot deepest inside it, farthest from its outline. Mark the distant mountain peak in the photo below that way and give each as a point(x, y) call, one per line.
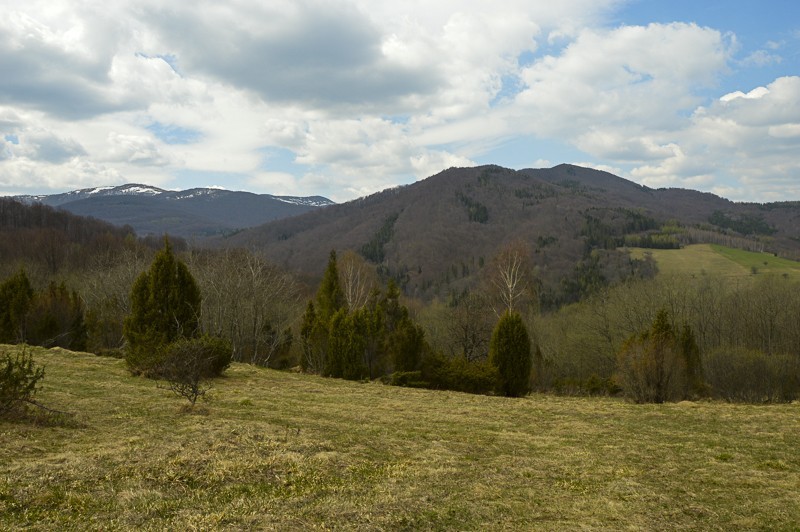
point(195, 212)
point(311, 201)
point(134, 189)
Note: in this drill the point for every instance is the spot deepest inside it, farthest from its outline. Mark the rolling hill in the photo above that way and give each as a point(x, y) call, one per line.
point(435, 236)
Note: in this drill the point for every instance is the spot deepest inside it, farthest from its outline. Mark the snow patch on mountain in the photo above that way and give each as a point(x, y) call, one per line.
point(312, 201)
point(134, 189)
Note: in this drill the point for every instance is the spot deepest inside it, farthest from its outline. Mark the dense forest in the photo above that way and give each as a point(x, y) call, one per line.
point(70, 281)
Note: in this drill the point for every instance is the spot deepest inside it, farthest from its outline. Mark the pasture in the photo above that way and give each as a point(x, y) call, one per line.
point(286, 451)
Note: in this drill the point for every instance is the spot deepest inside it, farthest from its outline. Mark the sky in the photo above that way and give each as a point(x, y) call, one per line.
point(343, 98)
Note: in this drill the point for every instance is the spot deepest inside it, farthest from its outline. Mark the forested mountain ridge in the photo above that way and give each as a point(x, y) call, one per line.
point(193, 213)
point(53, 238)
point(436, 235)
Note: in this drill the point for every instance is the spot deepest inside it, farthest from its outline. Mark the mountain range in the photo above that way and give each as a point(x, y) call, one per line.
point(193, 213)
point(436, 235)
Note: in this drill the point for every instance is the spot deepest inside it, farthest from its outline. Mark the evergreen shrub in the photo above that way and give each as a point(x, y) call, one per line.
point(18, 380)
point(510, 353)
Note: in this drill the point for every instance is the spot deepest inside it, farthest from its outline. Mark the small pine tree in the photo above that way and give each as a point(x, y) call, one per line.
point(329, 296)
point(316, 324)
point(18, 380)
point(165, 307)
point(56, 319)
point(371, 324)
point(510, 353)
point(337, 345)
point(310, 360)
point(405, 345)
point(15, 300)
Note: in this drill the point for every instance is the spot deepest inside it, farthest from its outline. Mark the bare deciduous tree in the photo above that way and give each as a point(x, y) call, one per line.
point(469, 328)
point(511, 279)
point(357, 279)
point(247, 300)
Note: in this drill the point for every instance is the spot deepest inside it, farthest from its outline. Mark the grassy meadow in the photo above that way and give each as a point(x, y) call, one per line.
point(285, 451)
point(719, 260)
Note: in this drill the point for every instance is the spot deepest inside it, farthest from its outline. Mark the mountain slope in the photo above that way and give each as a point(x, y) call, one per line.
point(435, 236)
point(190, 213)
point(55, 239)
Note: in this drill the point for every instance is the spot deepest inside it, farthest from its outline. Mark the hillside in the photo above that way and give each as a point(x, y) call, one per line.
point(194, 213)
point(55, 239)
point(699, 259)
point(286, 451)
point(436, 235)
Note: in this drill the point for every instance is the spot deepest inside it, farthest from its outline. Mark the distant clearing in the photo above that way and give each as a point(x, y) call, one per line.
point(287, 451)
point(718, 260)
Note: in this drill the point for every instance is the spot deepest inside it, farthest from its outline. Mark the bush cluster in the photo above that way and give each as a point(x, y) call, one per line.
point(53, 317)
point(749, 375)
point(458, 374)
point(188, 363)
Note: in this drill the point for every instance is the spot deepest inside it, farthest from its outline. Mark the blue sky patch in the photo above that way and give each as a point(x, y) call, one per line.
point(171, 134)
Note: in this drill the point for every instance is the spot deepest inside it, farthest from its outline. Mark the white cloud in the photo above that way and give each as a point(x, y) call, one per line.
point(357, 95)
point(135, 149)
point(754, 94)
point(630, 76)
point(761, 58)
point(784, 131)
point(744, 145)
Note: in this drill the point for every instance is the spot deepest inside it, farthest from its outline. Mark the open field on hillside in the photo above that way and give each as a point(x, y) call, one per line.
point(718, 260)
point(276, 450)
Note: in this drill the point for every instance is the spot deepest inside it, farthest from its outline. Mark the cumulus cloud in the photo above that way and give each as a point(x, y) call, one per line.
point(627, 76)
point(135, 149)
point(357, 95)
point(46, 146)
point(312, 52)
point(748, 139)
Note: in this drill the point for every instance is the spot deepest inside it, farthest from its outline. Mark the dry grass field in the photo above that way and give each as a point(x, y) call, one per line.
point(282, 451)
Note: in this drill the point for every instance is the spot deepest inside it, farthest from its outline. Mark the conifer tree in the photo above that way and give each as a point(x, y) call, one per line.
point(371, 321)
point(56, 318)
point(403, 339)
point(165, 307)
point(406, 344)
point(346, 345)
point(312, 359)
point(510, 353)
point(329, 296)
point(15, 300)
point(316, 325)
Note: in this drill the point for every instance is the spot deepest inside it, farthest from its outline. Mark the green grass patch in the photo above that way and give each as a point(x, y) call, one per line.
point(718, 260)
point(766, 263)
point(276, 450)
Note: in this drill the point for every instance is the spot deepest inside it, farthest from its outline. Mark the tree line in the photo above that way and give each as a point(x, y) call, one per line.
point(356, 326)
